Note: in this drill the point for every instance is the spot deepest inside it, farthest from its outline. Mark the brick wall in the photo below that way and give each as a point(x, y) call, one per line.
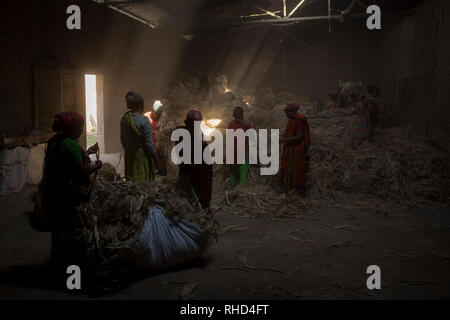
point(16, 108)
point(445, 78)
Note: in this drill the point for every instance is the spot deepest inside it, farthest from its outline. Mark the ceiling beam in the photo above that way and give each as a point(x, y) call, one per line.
point(270, 13)
point(295, 9)
point(132, 15)
point(257, 15)
point(117, 2)
point(293, 20)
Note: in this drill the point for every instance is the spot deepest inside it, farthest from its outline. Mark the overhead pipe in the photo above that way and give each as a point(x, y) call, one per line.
point(292, 20)
point(288, 19)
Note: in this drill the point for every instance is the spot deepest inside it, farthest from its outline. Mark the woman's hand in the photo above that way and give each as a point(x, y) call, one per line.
point(87, 169)
point(98, 164)
point(93, 149)
point(156, 161)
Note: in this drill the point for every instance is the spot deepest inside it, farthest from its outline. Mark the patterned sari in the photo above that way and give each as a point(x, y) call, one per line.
point(137, 165)
point(294, 161)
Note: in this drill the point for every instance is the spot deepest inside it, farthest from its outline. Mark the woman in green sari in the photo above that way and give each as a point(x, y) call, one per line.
point(136, 138)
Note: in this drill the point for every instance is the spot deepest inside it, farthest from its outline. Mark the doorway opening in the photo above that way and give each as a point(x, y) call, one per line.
point(91, 110)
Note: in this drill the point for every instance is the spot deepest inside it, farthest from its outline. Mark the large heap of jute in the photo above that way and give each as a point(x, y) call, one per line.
point(398, 169)
point(114, 217)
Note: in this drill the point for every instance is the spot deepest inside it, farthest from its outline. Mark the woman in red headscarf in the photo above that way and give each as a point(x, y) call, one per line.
point(296, 140)
point(65, 185)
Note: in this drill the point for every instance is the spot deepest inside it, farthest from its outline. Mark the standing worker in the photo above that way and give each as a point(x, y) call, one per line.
point(199, 176)
point(239, 172)
point(137, 140)
point(158, 119)
point(294, 161)
point(332, 105)
point(65, 185)
point(368, 113)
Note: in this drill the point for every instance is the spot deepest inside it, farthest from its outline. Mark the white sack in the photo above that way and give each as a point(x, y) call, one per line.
point(13, 169)
point(35, 164)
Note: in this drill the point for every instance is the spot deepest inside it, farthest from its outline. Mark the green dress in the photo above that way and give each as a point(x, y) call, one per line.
point(136, 138)
point(60, 192)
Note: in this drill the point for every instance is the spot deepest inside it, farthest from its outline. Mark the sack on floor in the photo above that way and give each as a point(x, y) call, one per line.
point(165, 242)
point(38, 217)
point(13, 170)
point(35, 164)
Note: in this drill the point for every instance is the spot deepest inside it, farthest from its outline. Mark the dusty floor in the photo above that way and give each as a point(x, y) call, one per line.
point(323, 256)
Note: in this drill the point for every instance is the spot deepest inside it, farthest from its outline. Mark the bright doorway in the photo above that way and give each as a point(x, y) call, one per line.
point(92, 130)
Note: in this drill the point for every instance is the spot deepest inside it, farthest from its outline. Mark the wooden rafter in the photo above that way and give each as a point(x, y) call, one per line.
point(132, 15)
point(270, 13)
point(295, 9)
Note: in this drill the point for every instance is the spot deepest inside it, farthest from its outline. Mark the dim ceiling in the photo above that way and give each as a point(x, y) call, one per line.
point(188, 17)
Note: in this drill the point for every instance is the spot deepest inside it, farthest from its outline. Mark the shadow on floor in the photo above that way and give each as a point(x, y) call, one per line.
point(30, 276)
point(200, 262)
point(40, 276)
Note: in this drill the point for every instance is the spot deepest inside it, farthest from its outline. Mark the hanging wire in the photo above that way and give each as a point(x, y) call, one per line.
point(329, 15)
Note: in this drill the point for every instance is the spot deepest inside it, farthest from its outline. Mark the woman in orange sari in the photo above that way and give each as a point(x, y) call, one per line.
point(296, 140)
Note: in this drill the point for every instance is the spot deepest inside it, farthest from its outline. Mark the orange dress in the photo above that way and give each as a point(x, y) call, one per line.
point(156, 126)
point(332, 105)
point(294, 162)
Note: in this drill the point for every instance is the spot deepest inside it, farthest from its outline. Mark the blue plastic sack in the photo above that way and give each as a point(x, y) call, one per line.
point(165, 242)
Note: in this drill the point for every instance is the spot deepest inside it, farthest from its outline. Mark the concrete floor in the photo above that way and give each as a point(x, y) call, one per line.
point(321, 256)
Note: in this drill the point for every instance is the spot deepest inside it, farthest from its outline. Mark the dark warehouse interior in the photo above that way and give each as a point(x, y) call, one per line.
point(356, 119)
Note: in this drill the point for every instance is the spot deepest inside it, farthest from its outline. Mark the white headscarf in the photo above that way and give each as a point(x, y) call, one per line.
point(158, 107)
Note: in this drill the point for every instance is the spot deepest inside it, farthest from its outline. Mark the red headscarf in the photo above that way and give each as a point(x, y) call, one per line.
point(238, 113)
point(193, 115)
point(333, 94)
point(293, 107)
point(67, 121)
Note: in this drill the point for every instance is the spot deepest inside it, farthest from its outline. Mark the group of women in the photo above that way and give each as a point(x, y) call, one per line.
point(67, 183)
point(294, 159)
